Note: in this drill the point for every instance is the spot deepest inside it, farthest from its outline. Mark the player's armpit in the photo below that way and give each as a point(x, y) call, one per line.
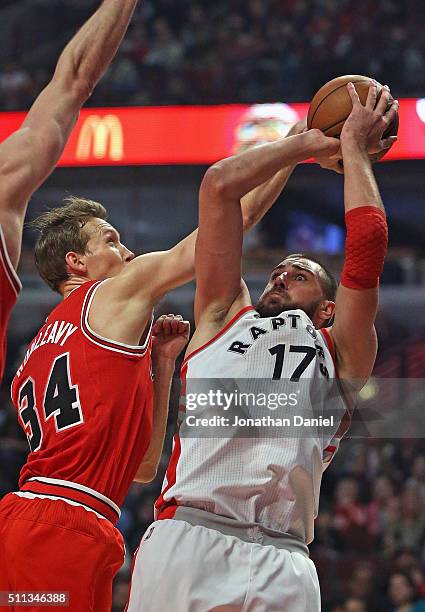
point(353, 333)
point(122, 306)
point(211, 321)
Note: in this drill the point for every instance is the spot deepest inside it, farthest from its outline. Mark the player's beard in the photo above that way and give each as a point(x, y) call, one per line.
point(272, 306)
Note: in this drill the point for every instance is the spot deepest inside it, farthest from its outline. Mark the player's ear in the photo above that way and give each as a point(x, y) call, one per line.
point(326, 311)
point(75, 262)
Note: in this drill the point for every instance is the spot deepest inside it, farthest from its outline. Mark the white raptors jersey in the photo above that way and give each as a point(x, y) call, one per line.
point(261, 417)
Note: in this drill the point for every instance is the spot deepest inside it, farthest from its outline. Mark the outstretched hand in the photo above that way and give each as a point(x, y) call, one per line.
point(170, 336)
point(367, 124)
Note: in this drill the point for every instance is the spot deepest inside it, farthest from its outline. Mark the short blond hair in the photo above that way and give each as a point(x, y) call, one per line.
point(62, 230)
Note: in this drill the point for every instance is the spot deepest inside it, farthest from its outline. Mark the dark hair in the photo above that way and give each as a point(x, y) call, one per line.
point(415, 593)
point(327, 279)
point(61, 231)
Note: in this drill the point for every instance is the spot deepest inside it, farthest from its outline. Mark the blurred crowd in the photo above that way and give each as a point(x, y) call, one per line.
point(242, 51)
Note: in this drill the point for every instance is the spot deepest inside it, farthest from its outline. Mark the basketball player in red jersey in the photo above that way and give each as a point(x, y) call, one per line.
point(29, 155)
point(31, 557)
point(242, 508)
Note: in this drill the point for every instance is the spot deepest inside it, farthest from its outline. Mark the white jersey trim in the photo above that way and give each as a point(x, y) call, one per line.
point(112, 345)
point(67, 501)
point(11, 274)
point(78, 487)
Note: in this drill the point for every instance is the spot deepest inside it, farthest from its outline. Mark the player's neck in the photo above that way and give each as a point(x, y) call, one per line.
point(72, 283)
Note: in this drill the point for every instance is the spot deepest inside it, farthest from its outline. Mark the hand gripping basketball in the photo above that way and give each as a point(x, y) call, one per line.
point(332, 105)
point(368, 123)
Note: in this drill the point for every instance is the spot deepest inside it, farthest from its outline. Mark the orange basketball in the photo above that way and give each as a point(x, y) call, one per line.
point(332, 104)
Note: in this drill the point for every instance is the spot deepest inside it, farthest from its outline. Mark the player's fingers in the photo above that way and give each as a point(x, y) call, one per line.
point(387, 143)
point(157, 327)
point(167, 326)
point(391, 114)
point(184, 328)
point(382, 105)
point(175, 326)
point(372, 95)
point(353, 95)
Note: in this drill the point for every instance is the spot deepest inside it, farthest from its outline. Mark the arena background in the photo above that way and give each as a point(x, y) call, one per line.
point(369, 545)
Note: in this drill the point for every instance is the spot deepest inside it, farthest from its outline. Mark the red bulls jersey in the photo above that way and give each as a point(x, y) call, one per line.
point(85, 404)
point(10, 286)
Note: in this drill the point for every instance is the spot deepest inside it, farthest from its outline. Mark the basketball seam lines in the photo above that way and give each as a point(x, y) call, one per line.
point(327, 96)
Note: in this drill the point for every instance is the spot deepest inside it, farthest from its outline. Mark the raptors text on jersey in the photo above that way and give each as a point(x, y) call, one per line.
point(270, 473)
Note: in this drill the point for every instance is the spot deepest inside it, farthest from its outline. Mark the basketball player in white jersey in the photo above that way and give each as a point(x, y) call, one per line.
point(236, 513)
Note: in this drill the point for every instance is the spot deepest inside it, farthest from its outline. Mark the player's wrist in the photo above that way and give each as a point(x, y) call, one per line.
point(317, 144)
point(313, 142)
point(352, 141)
point(163, 365)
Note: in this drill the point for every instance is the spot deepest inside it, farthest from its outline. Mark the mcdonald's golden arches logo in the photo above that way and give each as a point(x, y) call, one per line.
point(102, 138)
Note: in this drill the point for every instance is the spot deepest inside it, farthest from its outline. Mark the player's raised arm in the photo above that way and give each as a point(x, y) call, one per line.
point(219, 243)
point(353, 331)
point(131, 294)
point(257, 202)
point(29, 155)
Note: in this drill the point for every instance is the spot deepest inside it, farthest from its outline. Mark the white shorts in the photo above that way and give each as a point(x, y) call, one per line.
point(183, 568)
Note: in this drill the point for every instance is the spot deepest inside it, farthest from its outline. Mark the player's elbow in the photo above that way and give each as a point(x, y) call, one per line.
point(249, 219)
point(217, 184)
point(80, 88)
point(73, 80)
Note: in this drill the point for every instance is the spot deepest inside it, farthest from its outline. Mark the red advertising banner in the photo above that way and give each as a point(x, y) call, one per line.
point(197, 134)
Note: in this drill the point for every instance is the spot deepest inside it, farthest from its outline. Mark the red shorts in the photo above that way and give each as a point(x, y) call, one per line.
point(50, 545)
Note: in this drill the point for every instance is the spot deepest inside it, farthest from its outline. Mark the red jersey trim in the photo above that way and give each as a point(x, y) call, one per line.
point(344, 426)
point(165, 508)
point(218, 334)
point(167, 511)
point(330, 345)
point(111, 345)
point(75, 492)
point(331, 448)
point(10, 271)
